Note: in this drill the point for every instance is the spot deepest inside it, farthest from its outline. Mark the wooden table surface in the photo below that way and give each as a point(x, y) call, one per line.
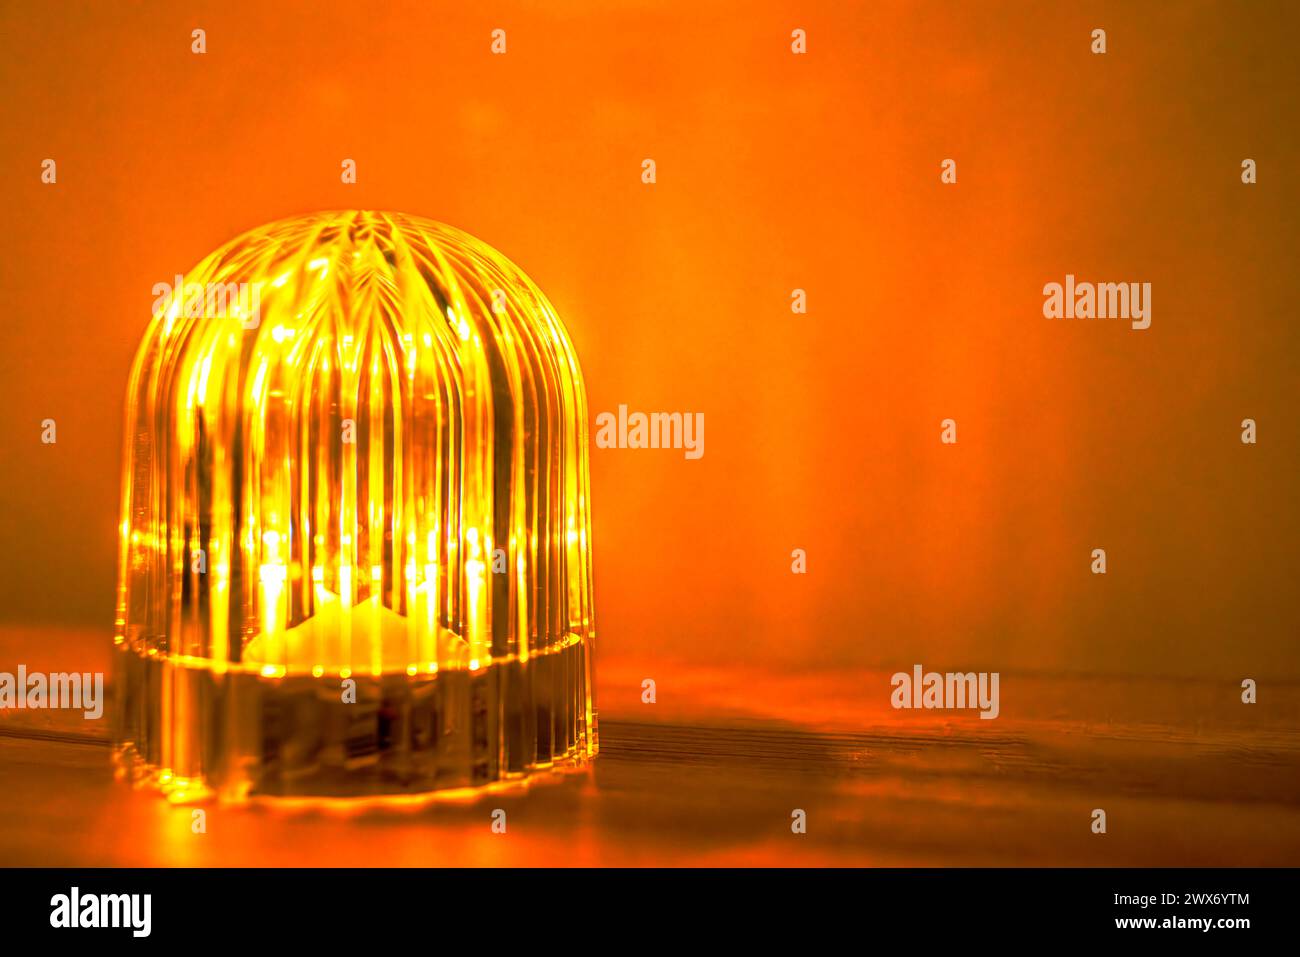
point(710, 774)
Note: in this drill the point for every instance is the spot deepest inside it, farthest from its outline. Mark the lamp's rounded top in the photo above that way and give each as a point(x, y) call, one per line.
point(360, 405)
point(360, 266)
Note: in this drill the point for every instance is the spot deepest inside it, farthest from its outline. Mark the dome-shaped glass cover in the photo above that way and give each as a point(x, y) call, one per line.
point(355, 552)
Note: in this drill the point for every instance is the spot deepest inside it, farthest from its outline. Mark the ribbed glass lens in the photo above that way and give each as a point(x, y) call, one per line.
point(355, 552)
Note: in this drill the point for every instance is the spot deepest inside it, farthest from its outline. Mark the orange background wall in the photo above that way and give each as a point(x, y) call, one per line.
point(775, 171)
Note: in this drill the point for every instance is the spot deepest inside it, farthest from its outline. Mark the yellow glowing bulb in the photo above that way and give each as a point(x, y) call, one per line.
point(360, 634)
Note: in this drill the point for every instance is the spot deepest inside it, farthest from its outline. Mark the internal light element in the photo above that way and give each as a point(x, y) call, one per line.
point(355, 550)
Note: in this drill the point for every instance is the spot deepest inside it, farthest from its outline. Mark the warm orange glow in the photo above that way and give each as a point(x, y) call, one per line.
point(356, 450)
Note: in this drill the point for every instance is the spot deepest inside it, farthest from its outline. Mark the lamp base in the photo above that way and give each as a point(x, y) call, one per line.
point(196, 732)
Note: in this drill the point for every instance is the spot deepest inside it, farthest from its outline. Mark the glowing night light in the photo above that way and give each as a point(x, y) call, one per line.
point(355, 551)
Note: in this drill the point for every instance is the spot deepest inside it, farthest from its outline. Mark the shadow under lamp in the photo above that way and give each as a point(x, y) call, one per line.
point(355, 553)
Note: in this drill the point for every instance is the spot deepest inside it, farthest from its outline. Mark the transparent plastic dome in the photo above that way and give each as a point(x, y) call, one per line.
point(355, 550)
